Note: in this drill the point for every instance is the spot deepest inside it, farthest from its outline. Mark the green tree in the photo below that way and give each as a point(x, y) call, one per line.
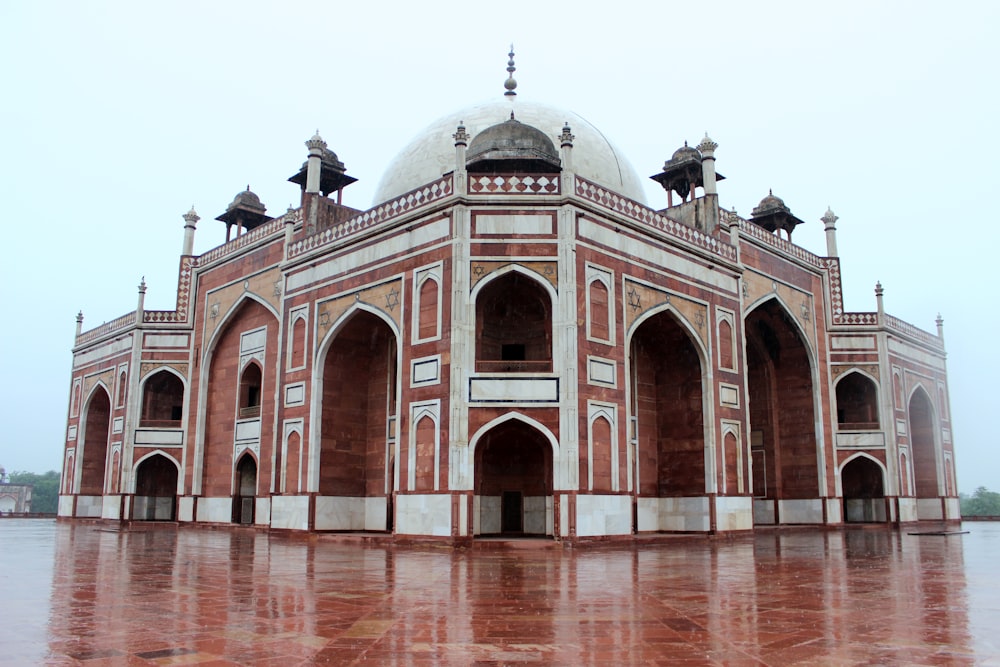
point(981, 503)
point(45, 495)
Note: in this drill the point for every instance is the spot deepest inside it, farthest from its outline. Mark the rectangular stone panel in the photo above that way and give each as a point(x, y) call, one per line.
point(865, 440)
point(513, 390)
point(729, 395)
point(601, 371)
point(853, 342)
point(295, 394)
point(426, 370)
point(247, 430)
point(159, 436)
point(164, 340)
point(508, 225)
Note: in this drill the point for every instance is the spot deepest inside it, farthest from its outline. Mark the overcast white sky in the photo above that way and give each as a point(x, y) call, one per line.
point(116, 117)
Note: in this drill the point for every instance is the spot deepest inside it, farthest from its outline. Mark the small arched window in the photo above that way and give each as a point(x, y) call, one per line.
point(250, 388)
point(600, 315)
point(121, 389)
point(857, 403)
point(74, 409)
point(725, 344)
point(427, 316)
point(298, 343)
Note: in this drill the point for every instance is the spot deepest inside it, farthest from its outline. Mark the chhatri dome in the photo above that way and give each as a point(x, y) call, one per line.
point(432, 153)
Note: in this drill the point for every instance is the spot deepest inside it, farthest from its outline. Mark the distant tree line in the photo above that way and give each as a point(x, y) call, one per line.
point(981, 503)
point(45, 495)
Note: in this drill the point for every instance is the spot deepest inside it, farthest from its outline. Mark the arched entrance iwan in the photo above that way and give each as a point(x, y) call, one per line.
point(862, 479)
point(155, 489)
point(513, 479)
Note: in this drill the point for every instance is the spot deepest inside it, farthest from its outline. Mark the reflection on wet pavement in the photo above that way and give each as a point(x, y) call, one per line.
point(76, 594)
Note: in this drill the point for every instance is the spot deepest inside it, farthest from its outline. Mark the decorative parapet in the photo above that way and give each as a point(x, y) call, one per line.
point(439, 189)
point(632, 209)
point(114, 325)
point(271, 228)
point(525, 184)
point(760, 234)
point(899, 326)
point(163, 317)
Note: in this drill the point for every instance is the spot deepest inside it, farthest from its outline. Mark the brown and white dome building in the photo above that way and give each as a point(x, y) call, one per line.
point(510, 341)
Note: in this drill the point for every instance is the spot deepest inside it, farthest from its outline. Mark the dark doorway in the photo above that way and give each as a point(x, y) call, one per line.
point(155, 490)
point(864, 494)
point(246, 490)
point(514, 481)
point(512, 512)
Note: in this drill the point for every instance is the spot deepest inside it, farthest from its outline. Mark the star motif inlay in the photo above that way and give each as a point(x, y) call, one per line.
point(477, 270)
point(392, 299)
point(634, 300)
point(324, 319)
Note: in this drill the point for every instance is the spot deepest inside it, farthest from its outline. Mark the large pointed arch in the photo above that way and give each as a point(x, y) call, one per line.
point(92, 442)
point(794, 321)
point(215, 452)
point(231, 314)
point(317, 389)
point(659, 469)
point(925, 446)
point(786, 437)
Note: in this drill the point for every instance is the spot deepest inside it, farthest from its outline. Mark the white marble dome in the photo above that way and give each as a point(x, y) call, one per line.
point(432, 152)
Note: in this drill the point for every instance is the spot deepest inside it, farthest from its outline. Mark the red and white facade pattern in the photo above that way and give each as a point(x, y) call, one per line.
point(515, 354)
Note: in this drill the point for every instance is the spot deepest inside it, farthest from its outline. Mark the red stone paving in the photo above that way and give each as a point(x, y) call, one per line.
point(86, 594)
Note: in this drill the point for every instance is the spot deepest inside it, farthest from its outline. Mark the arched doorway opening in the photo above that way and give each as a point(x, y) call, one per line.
point(782, 418)
point(155, 489)
point(162, 401)
point(857, 403)
point(246, 490)
point(925, 469)
point(863, 485)
point(668, 422)
point(95, 444)
point(358, 427)
point(513, 326)
point(513, 481)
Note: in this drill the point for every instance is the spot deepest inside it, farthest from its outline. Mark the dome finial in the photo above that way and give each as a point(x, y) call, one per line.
point(510, 84)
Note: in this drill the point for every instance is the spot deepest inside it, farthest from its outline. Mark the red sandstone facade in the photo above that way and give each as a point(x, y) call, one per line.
point(499, 351)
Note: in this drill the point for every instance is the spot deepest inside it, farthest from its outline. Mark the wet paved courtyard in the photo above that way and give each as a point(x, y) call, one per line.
point(92, 595)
